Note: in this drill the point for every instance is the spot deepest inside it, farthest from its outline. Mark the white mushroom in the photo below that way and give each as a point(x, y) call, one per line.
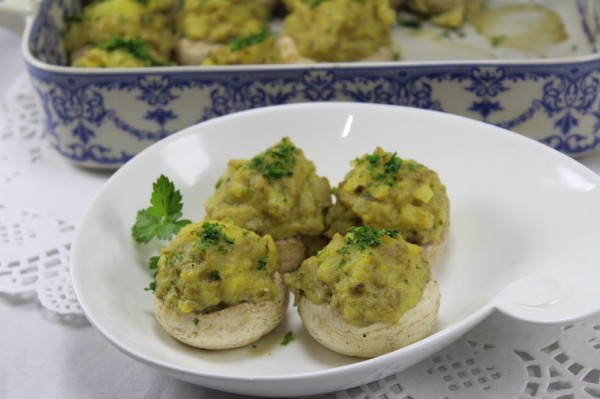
point(291, 253)
point(432, 252)
point(290, 54)
point(231, 327)
point(192, 52)
point(328, 327)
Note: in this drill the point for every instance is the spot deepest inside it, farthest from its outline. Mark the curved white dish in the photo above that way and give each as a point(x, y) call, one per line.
point(523, 237)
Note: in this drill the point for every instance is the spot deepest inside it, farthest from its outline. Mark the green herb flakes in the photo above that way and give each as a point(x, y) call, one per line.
point(136, 47)
point(276, 162)
point(365, 236)
point(289, 337)
point(214, 275)
point(211, 235)
point(250, 40)
point(262, 262)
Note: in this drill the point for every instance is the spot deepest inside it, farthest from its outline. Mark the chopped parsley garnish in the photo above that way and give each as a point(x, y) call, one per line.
point(276, 162)
point(250, 40)
point(262, 262)
point(392, 165)
point(410, 23)
point(497, 40)
point(342, 263)
point(153, 265)
point(151, 286)
point(196, 321)
point(163, 218)
point(214, 275)
point(383, 167)
point(211, 235)
point(365, 236)
point(136, 47)
point(289, 337)
point(361, 238)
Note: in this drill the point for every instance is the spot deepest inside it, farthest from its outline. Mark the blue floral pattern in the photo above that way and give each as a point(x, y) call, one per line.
point(556, 103)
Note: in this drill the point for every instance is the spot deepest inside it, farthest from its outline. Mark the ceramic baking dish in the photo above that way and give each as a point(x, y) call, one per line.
point(103, 117)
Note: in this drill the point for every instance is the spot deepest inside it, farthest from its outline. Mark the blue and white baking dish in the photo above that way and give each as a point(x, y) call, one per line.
point(101, 118)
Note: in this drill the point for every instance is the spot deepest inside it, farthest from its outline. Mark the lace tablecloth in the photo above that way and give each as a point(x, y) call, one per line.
point(42, 198)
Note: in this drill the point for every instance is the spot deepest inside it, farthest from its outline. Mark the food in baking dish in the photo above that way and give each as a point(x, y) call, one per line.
point(121, 33)
point(446, 13)
point(218, 286)
point(366, 293)
point(135, 33)
point(337, 31)
point(222, 32)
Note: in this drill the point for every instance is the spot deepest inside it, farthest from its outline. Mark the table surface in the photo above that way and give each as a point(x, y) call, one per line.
point(44, 355)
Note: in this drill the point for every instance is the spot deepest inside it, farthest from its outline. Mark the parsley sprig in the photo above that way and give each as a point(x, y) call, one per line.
point(163, 218)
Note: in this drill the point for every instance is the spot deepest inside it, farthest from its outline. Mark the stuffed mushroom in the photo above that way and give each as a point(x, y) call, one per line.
point(277, 192)
point(218, 286)
point(337, 31)
point(445, 13)
point(225, 32)
point(129, 21)
point(366, 293)
point(384, 191)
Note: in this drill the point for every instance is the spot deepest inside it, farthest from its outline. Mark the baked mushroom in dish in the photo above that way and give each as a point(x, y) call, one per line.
point(446, 13)
point(218, 286)
point(121, 33)
point(225, 32)
point(337, 31)
point(366, 293)
point(277, 192)
point(387, 192)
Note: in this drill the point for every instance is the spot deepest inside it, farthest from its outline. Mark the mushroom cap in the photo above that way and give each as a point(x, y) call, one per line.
point(231, 327)
point(433, 251)
point(327, 326)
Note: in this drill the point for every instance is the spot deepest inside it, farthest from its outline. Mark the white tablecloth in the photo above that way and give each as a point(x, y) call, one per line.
point(46, 354)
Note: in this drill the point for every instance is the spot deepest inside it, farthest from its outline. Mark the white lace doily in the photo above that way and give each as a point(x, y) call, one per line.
point(37, 207)
point(42, 197)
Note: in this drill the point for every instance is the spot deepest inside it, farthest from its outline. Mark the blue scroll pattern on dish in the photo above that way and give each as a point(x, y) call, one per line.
point(554, 103)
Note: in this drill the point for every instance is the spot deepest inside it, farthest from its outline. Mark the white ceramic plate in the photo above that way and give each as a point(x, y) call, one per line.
point(525, 222)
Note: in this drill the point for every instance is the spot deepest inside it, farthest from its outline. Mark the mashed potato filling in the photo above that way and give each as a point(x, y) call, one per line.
point(385, 191)
point(255, 48)
point(369, 276)
point(101, 21)
point(212, 265)
point(339, 30)
point(118, 52)
point(278, 192)
point(446, 13)
point(220, 21)
point(225, 32)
